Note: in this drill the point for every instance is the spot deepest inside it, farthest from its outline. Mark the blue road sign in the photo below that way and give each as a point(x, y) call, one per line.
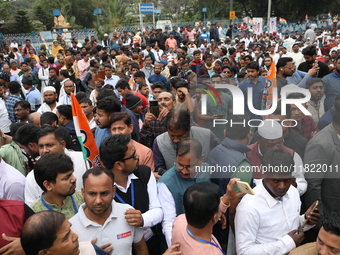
point(146, 8)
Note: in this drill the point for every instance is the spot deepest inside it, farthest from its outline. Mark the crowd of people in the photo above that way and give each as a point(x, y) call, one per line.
point(161, 108)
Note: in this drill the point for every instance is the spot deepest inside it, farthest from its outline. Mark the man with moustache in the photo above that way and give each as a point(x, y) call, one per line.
point(154, 126)
point(53, 172)
point(50, 100)
point(136, 186)
point(157, 75)
point(178, 126)
point(315, 105)
point(102, 218)
point(66, 91)
point(49, 232)
point(54, 80)
point(46, 140)
point(310, 54)
point(22, 111)
point(255, 82)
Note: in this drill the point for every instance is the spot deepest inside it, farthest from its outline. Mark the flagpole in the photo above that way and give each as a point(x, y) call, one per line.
point(268, 15)
point(87, 168)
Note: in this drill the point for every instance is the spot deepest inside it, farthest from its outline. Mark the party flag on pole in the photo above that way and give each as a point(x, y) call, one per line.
point(267, 95)
point(283, 22)
point(84, 134)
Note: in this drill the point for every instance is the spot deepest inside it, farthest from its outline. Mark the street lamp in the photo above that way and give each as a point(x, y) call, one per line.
point(97, 12)
point(158, 12)
point(204, 10)
point(268, 14)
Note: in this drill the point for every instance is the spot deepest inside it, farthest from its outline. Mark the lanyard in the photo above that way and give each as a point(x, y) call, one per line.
point(50, 209)
point(213, 243)
point(66, 99)
point(132, 195)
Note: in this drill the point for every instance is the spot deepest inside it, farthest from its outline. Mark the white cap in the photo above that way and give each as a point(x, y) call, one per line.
point(270, 129)
point(106, 35)
point(49, 88)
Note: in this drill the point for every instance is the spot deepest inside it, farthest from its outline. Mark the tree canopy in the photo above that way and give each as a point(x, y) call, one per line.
point(27, 15)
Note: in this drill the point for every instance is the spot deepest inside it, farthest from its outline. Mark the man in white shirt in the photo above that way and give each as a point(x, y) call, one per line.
point(66, 89)
point(111, 79)
point(296, 55)
point(12, 182)
point(4, 118)
point(102, 218)
point(87, 107)
point(157, 53)
point(50, 100)
point(269, 222)
point(50, 140)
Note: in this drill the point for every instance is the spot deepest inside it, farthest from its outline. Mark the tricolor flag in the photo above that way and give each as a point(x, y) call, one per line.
point(84, 134)
point(329, 15)
point(306, 18)
point(283, 22)
point(251, 22)
point(270, 84)
point(43, 39)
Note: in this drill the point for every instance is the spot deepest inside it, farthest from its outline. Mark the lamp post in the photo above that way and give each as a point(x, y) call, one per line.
point(158, 12)
point(268, 15)
point(97, 12)
point(204, 10)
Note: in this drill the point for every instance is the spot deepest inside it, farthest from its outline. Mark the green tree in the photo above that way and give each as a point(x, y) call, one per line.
point(79, 11)
point(6, 10)
point(115, 12)
point(23, 24)
point(44, 17)
point(82, 11)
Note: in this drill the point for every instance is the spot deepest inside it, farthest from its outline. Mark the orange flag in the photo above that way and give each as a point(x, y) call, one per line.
point(84, 134)
point(270, 84)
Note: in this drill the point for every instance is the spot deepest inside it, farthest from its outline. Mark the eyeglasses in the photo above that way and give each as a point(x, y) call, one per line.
point(134, 156)
point(273, 144)
point(226, 72)
point(181, 167)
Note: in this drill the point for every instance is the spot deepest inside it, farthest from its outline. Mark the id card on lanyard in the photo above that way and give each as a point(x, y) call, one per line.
point(50, 209)
point(213, 243)
point(132, 185)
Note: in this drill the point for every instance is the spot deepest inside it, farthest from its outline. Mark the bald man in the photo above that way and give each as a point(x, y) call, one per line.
point(34, 118)
point(49, 232)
